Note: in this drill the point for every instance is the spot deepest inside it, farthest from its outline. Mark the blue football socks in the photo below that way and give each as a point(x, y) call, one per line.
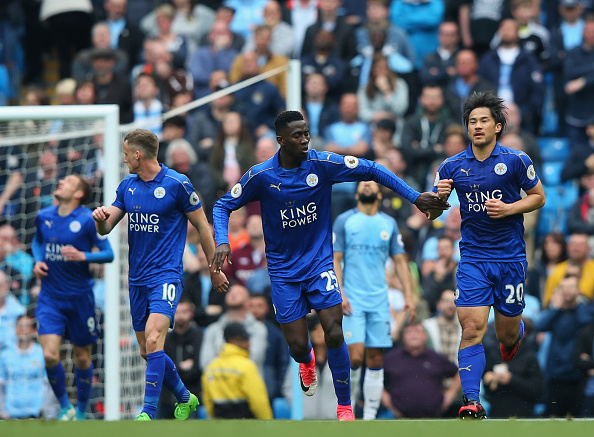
point(305, 359)
point(84, 382)
point(57, 380)
point(471, 365)
point(173, 382)
point(340, 366)
point(155, 369)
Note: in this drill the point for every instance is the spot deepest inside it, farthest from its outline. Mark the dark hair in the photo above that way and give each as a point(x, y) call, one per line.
point(486, 100)
point(371, 87)
point(150, 76)
point(145, 140)
point(558, 238)
point(86, 188)
point(283, 119)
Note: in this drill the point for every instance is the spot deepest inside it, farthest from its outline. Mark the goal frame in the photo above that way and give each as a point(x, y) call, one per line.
point(110, 115)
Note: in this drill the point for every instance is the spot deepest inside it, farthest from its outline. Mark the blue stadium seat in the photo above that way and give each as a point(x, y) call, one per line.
point(281, 408)
point(553, 215)
point(553, 149)
point(551, 173)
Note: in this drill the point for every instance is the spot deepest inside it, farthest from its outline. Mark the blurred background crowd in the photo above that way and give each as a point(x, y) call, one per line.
point(383, 80)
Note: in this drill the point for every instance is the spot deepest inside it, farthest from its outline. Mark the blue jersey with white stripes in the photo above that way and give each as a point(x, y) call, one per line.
point(295, 208)
point(67, 279)
point(366, 242)
point(157, 224)
point(501, 176)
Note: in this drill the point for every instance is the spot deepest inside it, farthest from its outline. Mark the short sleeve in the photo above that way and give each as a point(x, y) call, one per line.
point(396, 243)
point(338, 234)
point(119, 200)
point(526, 175)
point(187, 198)
point(441, 173)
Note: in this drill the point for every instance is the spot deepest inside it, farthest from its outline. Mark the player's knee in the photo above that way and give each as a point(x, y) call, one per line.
point(82, 360)
point(299, 348)
point(152, 343)
point(507, 338)
point(334, 337)
point(51, 358)
point(356, 361)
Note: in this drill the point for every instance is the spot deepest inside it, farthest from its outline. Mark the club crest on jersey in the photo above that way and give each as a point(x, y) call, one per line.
point(351, 161)
point(236, 191)
point(312, 179)
point(74, 226)
point(159, 192)
point(385, 235)
point(500, 168)
point(436, 181)
point(530, 172)
point(194, 199)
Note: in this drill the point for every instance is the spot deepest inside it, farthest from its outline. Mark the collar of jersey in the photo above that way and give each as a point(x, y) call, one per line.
point(496, 151)
point(276, 164)
point(74, 213)
point(161, 174)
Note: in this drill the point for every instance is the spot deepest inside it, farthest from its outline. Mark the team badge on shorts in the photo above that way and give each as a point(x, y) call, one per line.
point(236, 191)
point(312, 179)
point(348, 335)
point(194, 199)
point(351, 161)
point(75, 226)
point(500, 168)
point(530, 172)
point(159, 192)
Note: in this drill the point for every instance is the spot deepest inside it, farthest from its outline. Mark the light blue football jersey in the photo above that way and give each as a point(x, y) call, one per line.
point(295, 208)
point(157, 224)
point(501, 176)
point(366, 243)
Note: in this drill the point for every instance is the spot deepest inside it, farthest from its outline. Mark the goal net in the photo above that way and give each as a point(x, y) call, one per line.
point(43, 145)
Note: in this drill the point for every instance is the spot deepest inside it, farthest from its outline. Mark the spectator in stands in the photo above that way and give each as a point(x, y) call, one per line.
point(247, 15)
point(148, 108)
point(22, 372)
point(444, 329)
point(578, 68)
point(580, 162)
point(583, 354)
point(15, 255)
point(217, 55)
point(225, 14)
point(125, 35)
point(111, 87)
point(85, 93)
point(174, 128)
point(393, 159)
point(281, 37)
point(323, 404)
point(11, 179)
point(10, 310)
point(266, 147)
point(300, 15)
point(385, 95)
point(82, 66)
point(578, 257)
point(236, 301)
point(564, 318)
point(564, 37)
point(552, 252)
point(181, 157)
point(421, 20)
point(233, 152)
point(68, 24)
point(267, 60)
point(277, 356)
point(238, 235)
point(232, 387)
point(190, 20)
point(514, 126)
point(440, 274)
point(439, 67)
point(323, 60)
point(329, 19)
point(414, 377)
point(424, 132)
point(182, 344)
point(258, 103)
point(513, 388)
point(171, 80)
point(465, 82)
point(580, 219)
point(479, 22)
point(206, 123)
point(517, 75)
point(176, 44)
point(250, 257)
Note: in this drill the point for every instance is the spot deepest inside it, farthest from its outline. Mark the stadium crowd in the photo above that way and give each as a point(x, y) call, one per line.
point(382, 80)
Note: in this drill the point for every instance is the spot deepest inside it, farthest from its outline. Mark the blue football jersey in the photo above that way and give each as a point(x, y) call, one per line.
point(295, 208)
point(65, 279)
point(366, 243)
point(501, 176)
point(157, 224)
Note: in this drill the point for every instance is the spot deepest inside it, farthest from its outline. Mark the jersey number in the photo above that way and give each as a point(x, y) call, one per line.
point(169, 292)
point(518, 292)
point(332, 282)
point(91, 324)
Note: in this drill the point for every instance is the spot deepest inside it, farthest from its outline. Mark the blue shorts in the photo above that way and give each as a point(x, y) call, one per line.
point(369, 327)
point(160, 299)
point(294, 300)
point(484, 283)
point(76, 315)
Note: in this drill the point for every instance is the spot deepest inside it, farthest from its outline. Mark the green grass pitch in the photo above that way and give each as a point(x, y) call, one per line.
point(282, 428)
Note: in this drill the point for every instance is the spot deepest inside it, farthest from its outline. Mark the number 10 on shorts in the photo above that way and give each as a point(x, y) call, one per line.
point(169, 292)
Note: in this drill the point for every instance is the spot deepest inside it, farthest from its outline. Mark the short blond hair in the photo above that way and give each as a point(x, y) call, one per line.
point(144, 140)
